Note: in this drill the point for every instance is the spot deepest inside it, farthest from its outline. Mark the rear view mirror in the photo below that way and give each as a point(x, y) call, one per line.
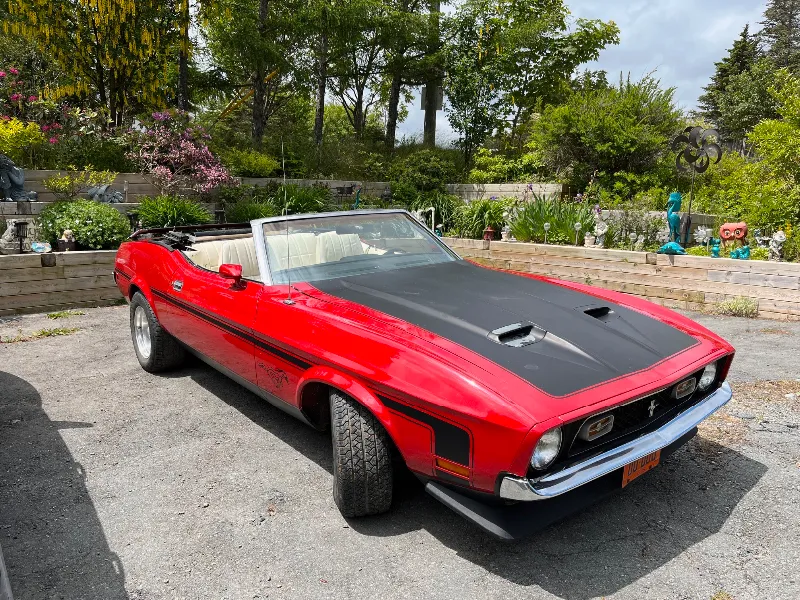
point(232, 272)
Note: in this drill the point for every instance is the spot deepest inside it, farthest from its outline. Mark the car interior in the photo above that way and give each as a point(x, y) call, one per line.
point(283, 251)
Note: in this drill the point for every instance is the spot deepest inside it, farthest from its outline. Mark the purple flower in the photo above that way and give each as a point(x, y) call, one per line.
point(492, 197)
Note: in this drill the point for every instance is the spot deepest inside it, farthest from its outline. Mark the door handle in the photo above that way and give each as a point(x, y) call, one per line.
point(177, 285)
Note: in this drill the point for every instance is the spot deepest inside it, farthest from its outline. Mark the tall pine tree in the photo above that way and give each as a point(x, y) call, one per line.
point(781, 33)
point(741, 57)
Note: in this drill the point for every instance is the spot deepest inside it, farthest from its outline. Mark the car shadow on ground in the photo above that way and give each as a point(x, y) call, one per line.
point(52, 538)
point(594, 553)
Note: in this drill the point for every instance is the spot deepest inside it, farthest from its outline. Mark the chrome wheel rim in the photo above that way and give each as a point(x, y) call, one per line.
point(141, 332)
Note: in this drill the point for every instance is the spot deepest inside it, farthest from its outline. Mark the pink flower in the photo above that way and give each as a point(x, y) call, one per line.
point(13, 71)
point(53, 140)
point(15, 97)
point(45, 128)
point(6, 118)
point(2, 74)
point(32, 98)
point(55, 126)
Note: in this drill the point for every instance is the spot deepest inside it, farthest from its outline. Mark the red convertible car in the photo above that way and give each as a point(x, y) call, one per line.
point(515, 399)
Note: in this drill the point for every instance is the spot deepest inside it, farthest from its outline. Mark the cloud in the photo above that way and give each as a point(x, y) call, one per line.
point(678, 39)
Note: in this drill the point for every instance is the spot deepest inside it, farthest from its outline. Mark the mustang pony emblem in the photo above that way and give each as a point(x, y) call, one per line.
point(279, 378)
point(652, 408)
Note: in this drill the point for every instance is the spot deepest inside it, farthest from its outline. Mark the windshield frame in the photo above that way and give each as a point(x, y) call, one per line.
point(261, 242)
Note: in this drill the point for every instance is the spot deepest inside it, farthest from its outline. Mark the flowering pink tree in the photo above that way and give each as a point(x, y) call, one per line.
point(177, 156)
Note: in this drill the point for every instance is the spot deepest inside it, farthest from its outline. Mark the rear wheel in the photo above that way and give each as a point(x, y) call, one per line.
point(156, 349)
point(362, 460)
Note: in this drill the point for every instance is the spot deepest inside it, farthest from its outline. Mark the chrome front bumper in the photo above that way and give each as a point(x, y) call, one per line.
point(555, 484)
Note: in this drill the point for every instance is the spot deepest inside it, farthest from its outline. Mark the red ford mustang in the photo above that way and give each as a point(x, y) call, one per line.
point(515, 399)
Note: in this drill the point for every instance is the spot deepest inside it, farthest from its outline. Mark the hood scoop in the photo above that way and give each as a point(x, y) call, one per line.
point(517, 335)
point(601, 313)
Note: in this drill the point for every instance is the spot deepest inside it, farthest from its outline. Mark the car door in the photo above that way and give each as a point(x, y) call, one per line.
point(215, 317)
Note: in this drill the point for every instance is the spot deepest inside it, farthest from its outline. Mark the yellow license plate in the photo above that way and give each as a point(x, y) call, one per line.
point(640, 467)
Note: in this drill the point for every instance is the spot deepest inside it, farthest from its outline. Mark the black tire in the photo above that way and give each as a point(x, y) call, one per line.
point(362, 459)
point(165, 352)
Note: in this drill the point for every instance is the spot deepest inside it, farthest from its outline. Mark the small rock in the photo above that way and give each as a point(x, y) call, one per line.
point(15, 421)
point(205, 504)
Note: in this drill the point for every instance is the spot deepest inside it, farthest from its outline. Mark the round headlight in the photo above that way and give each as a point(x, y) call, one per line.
point(547, 449)
point(708, 377)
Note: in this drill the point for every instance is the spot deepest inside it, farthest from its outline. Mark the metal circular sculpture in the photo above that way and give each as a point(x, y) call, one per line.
point(698, 149)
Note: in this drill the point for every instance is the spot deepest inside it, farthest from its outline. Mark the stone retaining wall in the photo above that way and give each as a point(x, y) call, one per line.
point(687, 282)
point(31, 283)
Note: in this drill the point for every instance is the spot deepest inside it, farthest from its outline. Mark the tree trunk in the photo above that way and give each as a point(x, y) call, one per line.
point(259, 86)
point(322, 82)
point(394, 104)
point(112, 99)
point(183, 61)
point(432, 86)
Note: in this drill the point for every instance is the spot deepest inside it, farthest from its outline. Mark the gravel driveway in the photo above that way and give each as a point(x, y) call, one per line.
point(119, 484)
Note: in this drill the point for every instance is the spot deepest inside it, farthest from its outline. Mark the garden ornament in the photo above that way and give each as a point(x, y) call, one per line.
point(715, 242)
point(663, 236)
point(673, 218)
point(104, 193)
point(600, 231)
point(762, 241)
point(505, 233)
point(578, 227)
point(10, 242)
point(702, 235)
point(589, 240)
point(697, 149)
point(358, 198)
point(546, 229)
point(632, 237)
point(41, 247)
point(12, 182)
point(776, 246)
point(733, 232)
point(673, 248)
point(639, 246)
point(742, 253)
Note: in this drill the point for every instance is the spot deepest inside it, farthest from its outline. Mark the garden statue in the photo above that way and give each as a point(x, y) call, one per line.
point(600, 231)
point(10, 243)
point(12, 182)
point(104, 193)
point(639, 245)
point(733, 232)
point(673, 248)
point(505, 233)
point(673, 218)
point(702, 235)
point(742, 253)
point(715, 242)
point(762, 241)
point(776, 246)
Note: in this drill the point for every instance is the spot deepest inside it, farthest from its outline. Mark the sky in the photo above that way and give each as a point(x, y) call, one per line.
point(679, 39)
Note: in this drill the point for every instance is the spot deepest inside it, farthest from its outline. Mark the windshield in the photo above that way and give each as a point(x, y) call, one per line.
point(337, 246)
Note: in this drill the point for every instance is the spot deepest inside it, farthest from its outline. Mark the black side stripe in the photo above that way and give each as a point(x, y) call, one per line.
point(247, 336)
point(125, 275)
point(450, 442)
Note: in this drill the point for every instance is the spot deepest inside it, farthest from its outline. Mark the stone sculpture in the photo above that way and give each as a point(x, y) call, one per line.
point(776, 246)
point(104, 193)
point(12, 182)
point(600, 231)
point(9, 242)
point(639, 245)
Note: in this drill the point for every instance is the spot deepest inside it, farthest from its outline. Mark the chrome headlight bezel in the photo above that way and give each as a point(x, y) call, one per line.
point(708, 377)
point(547, 449)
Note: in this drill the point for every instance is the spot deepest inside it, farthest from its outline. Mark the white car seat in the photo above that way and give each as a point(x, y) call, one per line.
point(241, 252)
point(332, 246)
point(206, 254)
point(302, 250)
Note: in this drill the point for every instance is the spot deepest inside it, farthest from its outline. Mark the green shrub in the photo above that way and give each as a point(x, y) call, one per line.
point(697, 251)
point(445, 205)
point(528, 223)
point(473, 218)
point(759, 254)
point(489, 167)
point(246, 211)
point(171, 211)
point(255, 202)
point(425, 171)
point(100, 152)
point(95, 225)
point(20, 140)
point(250, 163)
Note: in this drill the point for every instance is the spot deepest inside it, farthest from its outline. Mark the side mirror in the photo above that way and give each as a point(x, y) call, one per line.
point(232, 272)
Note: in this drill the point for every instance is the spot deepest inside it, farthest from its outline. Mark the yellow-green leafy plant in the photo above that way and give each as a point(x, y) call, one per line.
point(20, 140)
point(69, 185)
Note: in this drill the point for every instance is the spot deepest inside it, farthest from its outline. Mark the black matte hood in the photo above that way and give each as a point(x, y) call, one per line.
point(560, 340)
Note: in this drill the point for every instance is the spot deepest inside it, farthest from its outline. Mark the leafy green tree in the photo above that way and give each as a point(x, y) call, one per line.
point(620, 134)
point(740, 59)
point(746, 102)
point(505, 58)
point(781, 33)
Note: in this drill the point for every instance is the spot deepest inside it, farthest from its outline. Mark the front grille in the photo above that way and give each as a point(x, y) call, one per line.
point(630, 421)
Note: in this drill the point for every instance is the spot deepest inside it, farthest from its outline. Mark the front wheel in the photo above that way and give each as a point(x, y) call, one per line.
point(362, 460)
point(156, 349)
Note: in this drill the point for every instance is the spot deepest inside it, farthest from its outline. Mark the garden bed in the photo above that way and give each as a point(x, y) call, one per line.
point(31, 283)
point(687, 282)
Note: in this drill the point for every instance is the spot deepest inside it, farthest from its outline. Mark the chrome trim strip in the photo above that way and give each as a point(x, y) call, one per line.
point(555, 484)
point(261, 251)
